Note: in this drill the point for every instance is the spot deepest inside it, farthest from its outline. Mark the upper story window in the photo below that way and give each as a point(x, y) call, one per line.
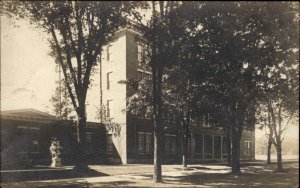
point(143, 75)
point(142, 53)
point(109, 108)
point(108, 53)
point(108, 78)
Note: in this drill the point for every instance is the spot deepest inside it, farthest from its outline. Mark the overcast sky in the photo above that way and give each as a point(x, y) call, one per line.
point(27, 71)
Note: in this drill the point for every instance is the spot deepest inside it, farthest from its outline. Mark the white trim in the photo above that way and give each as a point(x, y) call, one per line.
point(144, 71)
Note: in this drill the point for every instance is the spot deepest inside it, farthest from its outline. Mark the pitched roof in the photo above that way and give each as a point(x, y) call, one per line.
point(27, 114)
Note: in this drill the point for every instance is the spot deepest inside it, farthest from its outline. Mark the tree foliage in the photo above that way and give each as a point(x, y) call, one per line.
point(60, 100)
point(110, 125)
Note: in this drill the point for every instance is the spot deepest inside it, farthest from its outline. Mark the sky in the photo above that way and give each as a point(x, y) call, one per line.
point(28, 73)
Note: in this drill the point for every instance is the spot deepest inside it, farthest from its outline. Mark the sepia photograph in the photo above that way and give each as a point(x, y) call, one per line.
point(149, 94)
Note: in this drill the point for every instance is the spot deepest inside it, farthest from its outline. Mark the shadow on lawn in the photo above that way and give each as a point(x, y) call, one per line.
point(252, 176)
point(75, 184)
point(16, 176)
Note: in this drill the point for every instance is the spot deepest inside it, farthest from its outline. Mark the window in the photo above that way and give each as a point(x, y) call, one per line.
point(109, 144)
point(20, 142)
point(198, 144)
point(225, 146)
point(141, 142)
point(208, 146)
point(247, 147)
point(147, 142)
point(108, 78)
point(88, 140)
point(109, 108)
point(206, 120)
point(144, 142)
point(33, 134)
point(140, 75)
point(142, 53)
point(143, 75)
point(170, 143)
point(27, 139)
point(108, 53)
point(88, 137)
point(217, 147)
point(193, 121)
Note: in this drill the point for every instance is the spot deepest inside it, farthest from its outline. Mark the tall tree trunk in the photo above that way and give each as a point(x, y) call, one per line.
point(270, 141)
point(157, 176)
point(229, 151)
point(228, 147)
point(269, 150)
point(185, 150)
point(279, 157)
point(185, 126)
point(81, 157)
point(236, 138)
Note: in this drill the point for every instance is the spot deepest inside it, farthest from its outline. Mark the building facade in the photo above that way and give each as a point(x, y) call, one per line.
point(121, 60)
point(26, 138)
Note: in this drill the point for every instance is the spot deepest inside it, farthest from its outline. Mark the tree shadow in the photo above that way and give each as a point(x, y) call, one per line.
point(71, 183)
point(47, 174)
point(252, 176)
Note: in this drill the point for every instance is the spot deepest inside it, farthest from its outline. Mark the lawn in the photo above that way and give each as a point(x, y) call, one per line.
point(254, 174)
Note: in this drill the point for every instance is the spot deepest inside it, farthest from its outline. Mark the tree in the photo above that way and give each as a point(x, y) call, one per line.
point(156, 36)
point(281, 106)
point(265, 123)
point(280, 86)
point(78, 30)
point(237, 52)
point(164, 36)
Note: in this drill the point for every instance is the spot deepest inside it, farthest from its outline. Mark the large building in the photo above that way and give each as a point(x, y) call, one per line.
point(121, 60)
point(29, 132)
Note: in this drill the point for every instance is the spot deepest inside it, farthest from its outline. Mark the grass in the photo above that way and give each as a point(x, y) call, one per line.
point(257, 174)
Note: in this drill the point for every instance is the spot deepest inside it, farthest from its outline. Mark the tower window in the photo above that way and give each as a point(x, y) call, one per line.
point(108, 75)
